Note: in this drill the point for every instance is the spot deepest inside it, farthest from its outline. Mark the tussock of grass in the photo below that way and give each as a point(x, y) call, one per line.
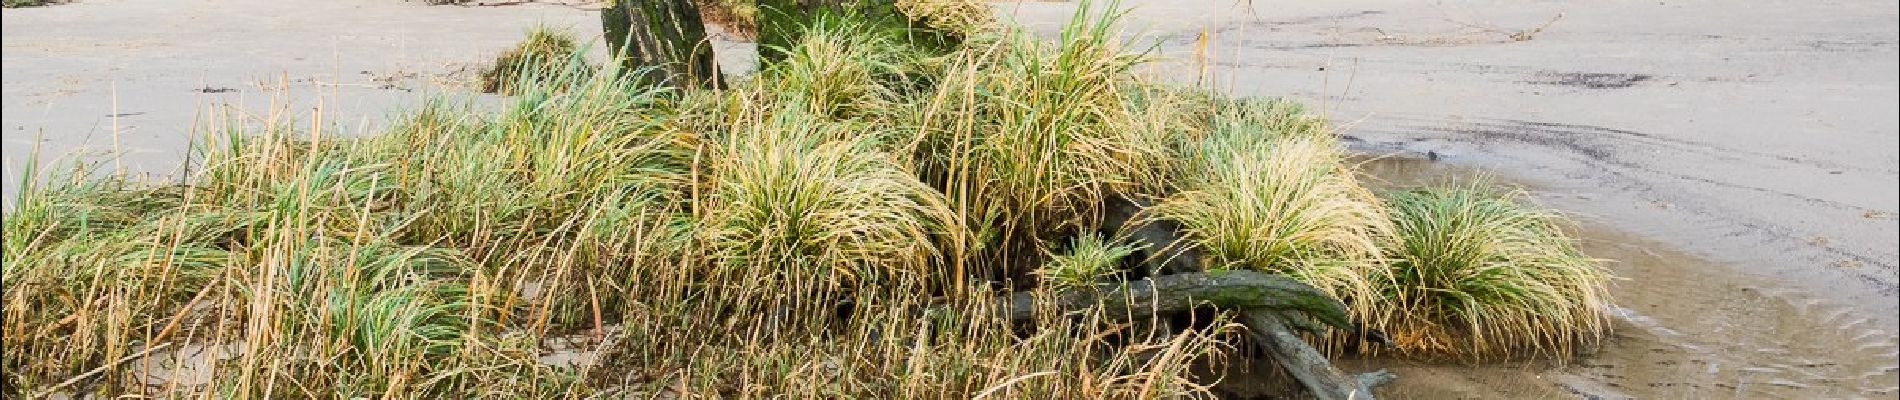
point(1478, 273)
point(960, 17)
point(1027, 139)
point(544, 52)
point(1261, 185)
point(844, 69)
point(792, 199)
point(1281, 204)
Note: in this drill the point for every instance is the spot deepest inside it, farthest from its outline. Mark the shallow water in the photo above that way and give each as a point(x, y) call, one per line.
point(1685, 327)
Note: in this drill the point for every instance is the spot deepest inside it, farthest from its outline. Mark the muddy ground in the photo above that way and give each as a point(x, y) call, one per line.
point(1740, 163)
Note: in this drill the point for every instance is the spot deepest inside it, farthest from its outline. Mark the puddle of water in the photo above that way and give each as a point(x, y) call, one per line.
point(1685, 328)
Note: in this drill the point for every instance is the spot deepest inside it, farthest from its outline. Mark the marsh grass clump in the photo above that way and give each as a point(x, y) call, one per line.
point(545, 52)
point(1477, 272)
point(819, 206)
point(412, 264)
point(964, 18)
point(1027, 139)
point(838, 226)
point(845, 68)
point(1288, 204)
point(776, 239)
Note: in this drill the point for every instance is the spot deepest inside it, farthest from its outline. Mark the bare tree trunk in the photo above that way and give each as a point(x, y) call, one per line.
point(662, 41)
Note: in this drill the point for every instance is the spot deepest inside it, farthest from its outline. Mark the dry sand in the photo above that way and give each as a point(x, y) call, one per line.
point(1739, 161)
point(172, 60)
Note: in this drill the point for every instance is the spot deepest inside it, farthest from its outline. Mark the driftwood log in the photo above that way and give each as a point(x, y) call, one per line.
point(1306, 364)
point(1274, 308)
point(1181, 292)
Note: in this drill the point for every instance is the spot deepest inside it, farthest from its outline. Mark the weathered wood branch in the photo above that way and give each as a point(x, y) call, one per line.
point(1273, 327)
point(1273, 307)
point(1305, 363)
point(1181, 292)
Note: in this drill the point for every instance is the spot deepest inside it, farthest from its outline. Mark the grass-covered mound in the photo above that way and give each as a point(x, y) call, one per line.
point(1478, 272)
point(1267, 189)
point(835, 226)
point(545, 50)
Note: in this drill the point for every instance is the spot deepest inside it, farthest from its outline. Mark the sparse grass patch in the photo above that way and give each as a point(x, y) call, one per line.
point(545, 52)
point(1477, 272)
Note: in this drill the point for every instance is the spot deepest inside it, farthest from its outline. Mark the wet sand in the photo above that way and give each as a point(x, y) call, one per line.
point(1738, 162)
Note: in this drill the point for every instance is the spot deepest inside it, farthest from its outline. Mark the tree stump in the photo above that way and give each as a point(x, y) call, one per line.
point(660, 42)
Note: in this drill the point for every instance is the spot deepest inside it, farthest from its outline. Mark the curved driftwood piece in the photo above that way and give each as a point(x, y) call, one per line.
point(1181, 292)
point(1373, 379)
point(1274, 308)
point(1306, 364)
